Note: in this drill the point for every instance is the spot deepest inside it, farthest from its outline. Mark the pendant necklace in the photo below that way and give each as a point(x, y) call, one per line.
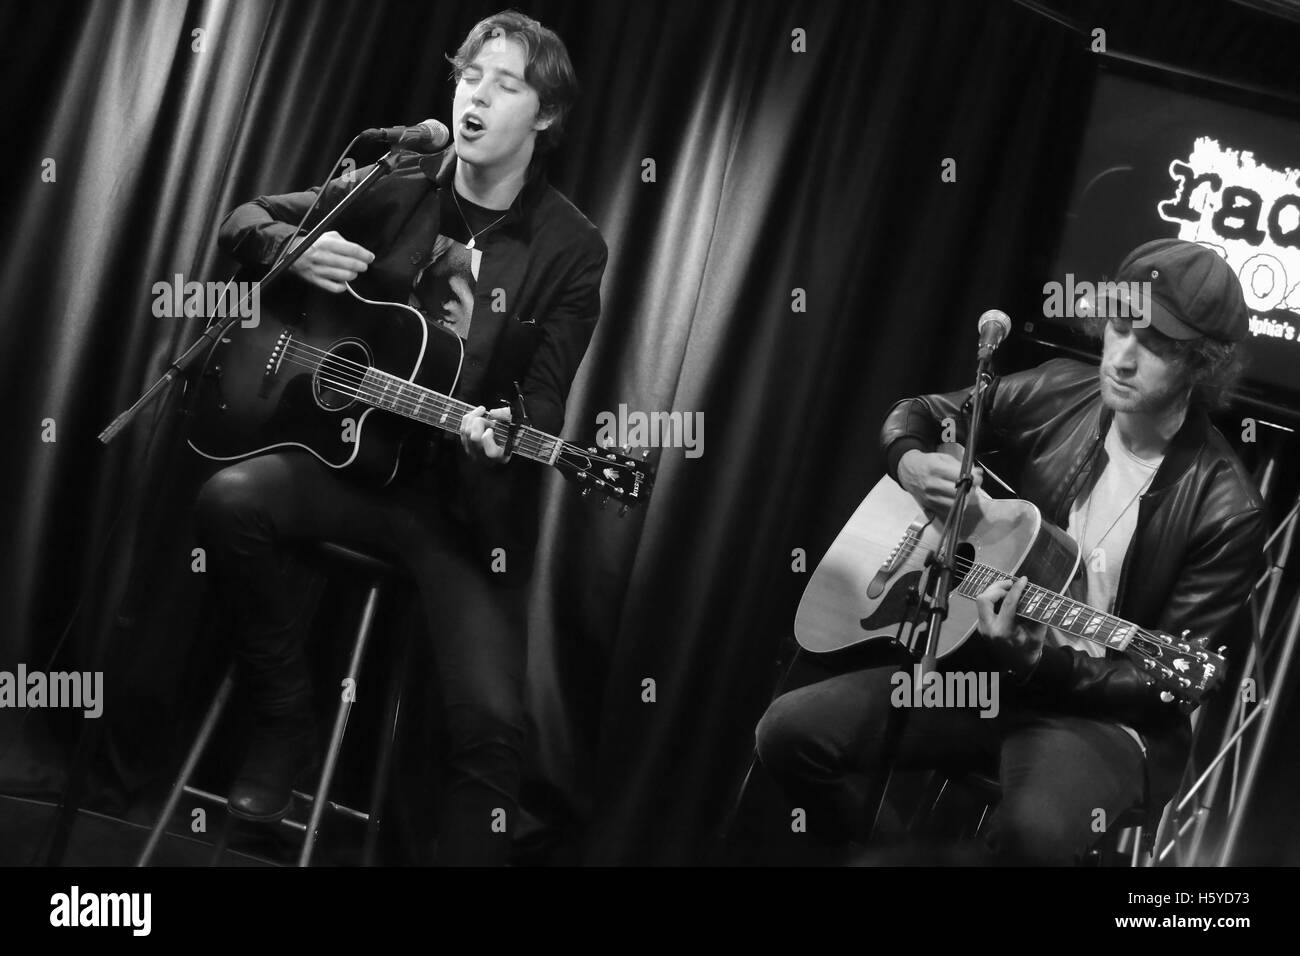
point(472, 234)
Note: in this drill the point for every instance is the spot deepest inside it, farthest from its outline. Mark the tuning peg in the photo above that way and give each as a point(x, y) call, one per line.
point(645, 453)
point(586, 490)
point(1167, 697)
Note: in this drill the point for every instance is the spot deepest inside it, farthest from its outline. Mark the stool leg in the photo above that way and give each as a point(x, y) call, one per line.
point(1136, 859)
point(936, 784)
point(388, 740)
point(223, 839)
point(340, 725)
point(210, 720)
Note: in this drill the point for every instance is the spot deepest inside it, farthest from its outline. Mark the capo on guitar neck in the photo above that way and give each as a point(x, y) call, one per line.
point(518, 412)
point(518, 419)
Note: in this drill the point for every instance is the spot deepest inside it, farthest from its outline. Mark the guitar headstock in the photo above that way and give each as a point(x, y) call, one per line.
point(1183, 667)
point(610, 473)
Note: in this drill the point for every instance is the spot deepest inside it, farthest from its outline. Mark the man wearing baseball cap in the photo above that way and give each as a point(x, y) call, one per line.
point(1170, 529)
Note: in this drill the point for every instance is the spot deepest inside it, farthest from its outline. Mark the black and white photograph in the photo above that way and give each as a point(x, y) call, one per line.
point(358, 513)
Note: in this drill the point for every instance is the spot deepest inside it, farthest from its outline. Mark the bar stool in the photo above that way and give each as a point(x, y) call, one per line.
point(380, 578)
point(1122, 837)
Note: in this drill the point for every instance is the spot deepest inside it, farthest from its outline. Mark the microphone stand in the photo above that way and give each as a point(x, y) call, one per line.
point(216, 331)
point(939, 581)
point(933, 603)
point(91, 736)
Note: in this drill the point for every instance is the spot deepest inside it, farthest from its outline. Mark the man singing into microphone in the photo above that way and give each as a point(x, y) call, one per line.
point(476, 238)
point(1171, 533)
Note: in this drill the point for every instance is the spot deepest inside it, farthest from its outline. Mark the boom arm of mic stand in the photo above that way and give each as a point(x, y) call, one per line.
point(940, 578)
point(215, 331)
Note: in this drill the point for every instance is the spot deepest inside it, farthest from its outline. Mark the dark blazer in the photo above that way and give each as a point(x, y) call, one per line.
point(544, 261)
point(1195, 553)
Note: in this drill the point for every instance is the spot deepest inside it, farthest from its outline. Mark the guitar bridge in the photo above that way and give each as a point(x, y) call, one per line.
point(902, 551)
point(273, 362)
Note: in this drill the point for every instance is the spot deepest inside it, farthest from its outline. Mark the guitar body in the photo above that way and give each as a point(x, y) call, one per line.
point(285, 382)
point(859, 591)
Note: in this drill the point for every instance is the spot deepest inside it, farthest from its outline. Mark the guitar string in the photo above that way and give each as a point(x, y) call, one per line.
point(1142, 637)
point(966, 565)
point(1141, 640)
point(343, 381)
point(1137, 646)
point(349, 381)
point(540, 450)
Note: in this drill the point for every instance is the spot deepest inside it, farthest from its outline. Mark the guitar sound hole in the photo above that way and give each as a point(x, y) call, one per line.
point(337, 381)
point(964, 559)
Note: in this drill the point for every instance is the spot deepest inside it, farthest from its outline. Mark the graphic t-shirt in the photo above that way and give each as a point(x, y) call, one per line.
point(444, 287)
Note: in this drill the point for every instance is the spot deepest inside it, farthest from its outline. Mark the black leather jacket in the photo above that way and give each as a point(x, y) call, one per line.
point(1196, 551)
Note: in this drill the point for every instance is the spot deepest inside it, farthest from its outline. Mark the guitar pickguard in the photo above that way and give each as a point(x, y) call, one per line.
point(894, 605)
point(859, 591)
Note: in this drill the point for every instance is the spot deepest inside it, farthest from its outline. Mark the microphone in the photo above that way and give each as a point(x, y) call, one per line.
point(994, 326)
point(428, 137)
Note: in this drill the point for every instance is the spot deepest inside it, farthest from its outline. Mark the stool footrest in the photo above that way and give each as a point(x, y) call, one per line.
point(204, 795)
point(338, 808)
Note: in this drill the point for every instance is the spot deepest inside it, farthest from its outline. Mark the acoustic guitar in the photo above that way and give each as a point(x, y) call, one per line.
point(859, 591)
point(348, 379)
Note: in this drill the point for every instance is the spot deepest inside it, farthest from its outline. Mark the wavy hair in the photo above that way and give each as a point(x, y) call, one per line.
point(548, 71)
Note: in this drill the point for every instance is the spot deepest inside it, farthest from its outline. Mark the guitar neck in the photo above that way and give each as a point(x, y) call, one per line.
point(392, 394)
point(1054, 609)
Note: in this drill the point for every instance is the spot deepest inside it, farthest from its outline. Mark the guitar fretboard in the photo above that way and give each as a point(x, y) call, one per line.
point(393, 394)
point(1054, 609)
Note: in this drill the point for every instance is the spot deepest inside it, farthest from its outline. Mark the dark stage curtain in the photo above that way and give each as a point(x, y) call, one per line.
point(781, 176)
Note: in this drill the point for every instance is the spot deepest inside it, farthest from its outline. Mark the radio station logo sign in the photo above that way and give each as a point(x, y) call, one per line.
point(1249, 214)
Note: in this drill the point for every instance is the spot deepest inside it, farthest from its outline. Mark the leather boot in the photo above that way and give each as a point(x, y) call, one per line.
point(281, 750)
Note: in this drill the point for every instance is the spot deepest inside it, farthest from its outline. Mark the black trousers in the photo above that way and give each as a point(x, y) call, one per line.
point(475, 618)
point(1061, 776)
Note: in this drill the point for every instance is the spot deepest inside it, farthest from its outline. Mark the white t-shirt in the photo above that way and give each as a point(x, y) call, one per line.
point(1102, 522)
